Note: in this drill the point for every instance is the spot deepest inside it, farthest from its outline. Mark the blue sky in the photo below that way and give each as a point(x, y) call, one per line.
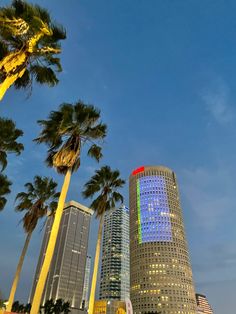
point(163, 74)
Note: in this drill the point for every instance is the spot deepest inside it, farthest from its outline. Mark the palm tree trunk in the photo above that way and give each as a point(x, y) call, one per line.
point(8, 64)
point(95, 267)
point(18, 271)
point(51, 246)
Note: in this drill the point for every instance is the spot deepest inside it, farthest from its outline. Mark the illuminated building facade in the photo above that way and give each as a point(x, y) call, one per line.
point(161, 275)
point(109, 307)
point(85, 297)
point(115, 281)
point(66, 274)
point(203, 305)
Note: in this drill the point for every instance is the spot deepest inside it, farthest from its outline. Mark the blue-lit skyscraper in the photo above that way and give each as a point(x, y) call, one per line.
point(160, 271)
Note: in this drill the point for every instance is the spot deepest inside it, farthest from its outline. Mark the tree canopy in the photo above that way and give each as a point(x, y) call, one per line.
point(104, 185)
point(67, 131)
point(39, 200)
point(29, 40)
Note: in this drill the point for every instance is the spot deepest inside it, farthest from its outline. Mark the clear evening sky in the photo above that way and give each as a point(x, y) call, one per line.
point(163, 74)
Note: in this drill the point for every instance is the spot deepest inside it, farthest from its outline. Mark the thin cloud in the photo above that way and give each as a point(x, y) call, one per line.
point(217, 257)
point(210, 194)
point(217, 103)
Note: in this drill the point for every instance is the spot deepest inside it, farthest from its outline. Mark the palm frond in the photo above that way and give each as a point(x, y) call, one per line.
point(44, 75)
point(103, 187)
point(4, 190)
point(99, 131)
point(3, 159)
point(8, 140)
point(95, 152)
point(40, 196)
point(52, 61)
point(20, 23)
point(24, 81)
point(65, 132)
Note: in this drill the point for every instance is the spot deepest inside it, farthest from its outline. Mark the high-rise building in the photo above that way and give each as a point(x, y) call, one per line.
point(66, 274)
point(85, 296)
point(203, 304)
point(161, 275)
point(115, 281)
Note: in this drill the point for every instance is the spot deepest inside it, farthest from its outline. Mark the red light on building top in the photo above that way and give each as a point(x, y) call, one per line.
point(140, 169)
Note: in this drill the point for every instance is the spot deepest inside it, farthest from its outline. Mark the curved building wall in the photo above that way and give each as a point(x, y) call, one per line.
point(160, 270)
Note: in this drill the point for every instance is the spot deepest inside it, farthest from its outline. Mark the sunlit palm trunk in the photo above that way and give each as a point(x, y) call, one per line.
point(8, 82)
point(9, 64)
point(18, 59)
point(51, 246)
point(17, 275)
point(95, 267)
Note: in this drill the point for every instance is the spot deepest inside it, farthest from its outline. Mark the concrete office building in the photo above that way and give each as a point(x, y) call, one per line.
point(66, 274)
point(161, 275)
point(85, 296)
point(115, 281)
point(203, 304)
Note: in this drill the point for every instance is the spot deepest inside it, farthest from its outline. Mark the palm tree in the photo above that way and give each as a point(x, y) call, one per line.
point(48, 307)
point(104, 184)
point(61, 306)
point(27, 308)
point(4, 189)
point(66, 307)
point(8, 140)
point(16, 306)
point(66, 132)
point(29, 41)
point(39, 200)
point(57, 309)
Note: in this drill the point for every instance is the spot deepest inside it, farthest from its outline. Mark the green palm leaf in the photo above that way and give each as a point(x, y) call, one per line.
point(103, 186)
point(4, 189)
point(67, 131)
point(39, 200)
point(19, 24)
point(8, 140)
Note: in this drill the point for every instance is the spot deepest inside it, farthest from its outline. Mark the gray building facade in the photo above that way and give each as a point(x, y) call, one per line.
point(66, 274)
point(115, 281)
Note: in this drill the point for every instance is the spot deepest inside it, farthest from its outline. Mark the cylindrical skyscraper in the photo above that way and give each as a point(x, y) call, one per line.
point(160, 271)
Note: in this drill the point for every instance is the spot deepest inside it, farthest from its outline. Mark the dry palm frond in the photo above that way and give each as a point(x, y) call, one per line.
point(17, 27)
point(68, 154)
point(65, 158)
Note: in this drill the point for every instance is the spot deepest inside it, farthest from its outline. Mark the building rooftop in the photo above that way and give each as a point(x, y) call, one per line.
point(79, 206)
point(145, 168)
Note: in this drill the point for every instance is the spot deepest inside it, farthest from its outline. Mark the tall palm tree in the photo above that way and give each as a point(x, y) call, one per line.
point(104, 185)
point(39, 200)
point(29, 41)
point(4, 189)
point(8, 140)
point(66, 132)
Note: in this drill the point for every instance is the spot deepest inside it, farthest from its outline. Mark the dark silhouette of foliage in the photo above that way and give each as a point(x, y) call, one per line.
point(104, 184)
point(39, 200)
point(4, 189)
point(60, 306)
point(8, 140)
